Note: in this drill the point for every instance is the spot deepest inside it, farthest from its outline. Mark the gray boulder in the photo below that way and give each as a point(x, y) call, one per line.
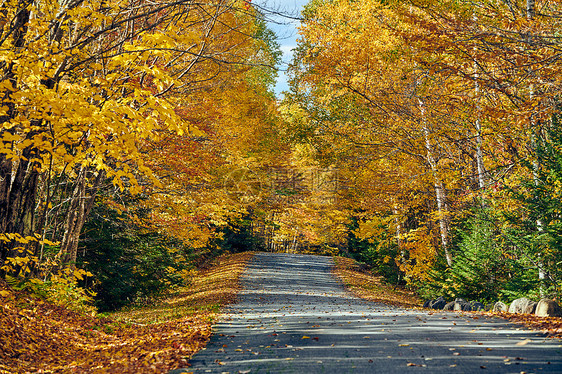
point(426, 303)
point(449, 306)
point(499, 307)
point(438, 303)
point(548, 308)
point(477, 306)
point(531, 308)
point(522, 306)
point(462, 305)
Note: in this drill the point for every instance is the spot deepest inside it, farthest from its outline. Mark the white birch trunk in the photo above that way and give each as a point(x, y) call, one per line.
point(479, 157)
point(478, 123)
point(439, 192)
point(540, 223)
point(536, 164)
point(530, 9)
point(398, 235)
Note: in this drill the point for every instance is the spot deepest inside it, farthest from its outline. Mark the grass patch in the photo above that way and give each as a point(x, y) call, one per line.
point(365, 285)
point(39, 337)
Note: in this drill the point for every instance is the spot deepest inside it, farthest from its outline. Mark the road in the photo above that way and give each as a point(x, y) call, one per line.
point(294, 316)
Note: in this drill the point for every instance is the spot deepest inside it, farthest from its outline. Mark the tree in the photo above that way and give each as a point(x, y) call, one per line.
point(126, 99)
point(431, 102)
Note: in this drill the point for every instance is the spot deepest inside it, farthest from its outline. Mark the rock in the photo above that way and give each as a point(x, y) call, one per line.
point(462, 305)
point(449, 306)
point(426, 304)
point(531, 308)
point(548, 308)
point(438, 303)
point(499, 307)
point(522, 306)
point(476, 305)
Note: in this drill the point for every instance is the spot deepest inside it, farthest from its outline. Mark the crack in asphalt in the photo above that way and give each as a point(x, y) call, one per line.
point(294, 316)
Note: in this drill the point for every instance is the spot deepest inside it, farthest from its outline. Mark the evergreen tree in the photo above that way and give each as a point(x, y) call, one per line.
point(536, 226)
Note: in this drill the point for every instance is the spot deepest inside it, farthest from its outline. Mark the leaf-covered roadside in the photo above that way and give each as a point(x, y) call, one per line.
point(551, 326)
point(371, 287)
point(39, 337)
point(368, 286)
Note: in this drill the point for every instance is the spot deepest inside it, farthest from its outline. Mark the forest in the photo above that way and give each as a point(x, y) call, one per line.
point(141, 139)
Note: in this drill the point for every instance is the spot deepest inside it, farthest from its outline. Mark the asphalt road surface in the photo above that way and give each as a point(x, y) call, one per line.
point(293, 316)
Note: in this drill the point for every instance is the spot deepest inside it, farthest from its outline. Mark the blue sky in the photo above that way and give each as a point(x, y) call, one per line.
point(286, 30)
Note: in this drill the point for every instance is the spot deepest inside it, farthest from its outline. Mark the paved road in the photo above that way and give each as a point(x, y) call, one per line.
point(293, 316)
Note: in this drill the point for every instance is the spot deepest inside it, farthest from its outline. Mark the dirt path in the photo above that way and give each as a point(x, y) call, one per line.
point(293, 316)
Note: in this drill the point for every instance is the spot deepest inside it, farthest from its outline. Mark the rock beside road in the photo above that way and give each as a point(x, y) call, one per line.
point(438, 303)
point(522, 306)
point(477, 306)
point(500, 307)
point(548, 308)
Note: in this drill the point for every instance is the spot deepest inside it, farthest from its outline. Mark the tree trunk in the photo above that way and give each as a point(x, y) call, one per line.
point(399, 235)
point(78, 211)
point(536, 162)
point(440, 195)
point(18, 179)
point(530, 9)
point(479, 156)
point(478, 124)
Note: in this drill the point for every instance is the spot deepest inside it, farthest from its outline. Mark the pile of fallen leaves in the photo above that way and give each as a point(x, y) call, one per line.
point(39, 337)
point(550, 326)
point(362, 283)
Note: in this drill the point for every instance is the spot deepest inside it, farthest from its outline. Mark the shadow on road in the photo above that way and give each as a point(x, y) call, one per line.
point(293, 316)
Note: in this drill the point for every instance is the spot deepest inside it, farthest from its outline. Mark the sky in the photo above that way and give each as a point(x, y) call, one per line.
point(286, 30)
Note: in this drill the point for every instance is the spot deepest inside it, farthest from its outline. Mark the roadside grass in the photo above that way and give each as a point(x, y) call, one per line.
point(371, 287)
point(39, 337)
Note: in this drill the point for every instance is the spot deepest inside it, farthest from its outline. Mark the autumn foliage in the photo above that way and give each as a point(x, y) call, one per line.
point(141, 139)
point(442, 119)
point(130, 115)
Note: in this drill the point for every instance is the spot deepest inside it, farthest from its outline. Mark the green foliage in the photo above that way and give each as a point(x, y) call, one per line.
point(130, 262)
point(264, 73)
point(536, 225)
point(62, 290)
point(380, 253)
point(480, 270)
point(66, 293)
point(237, 236)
